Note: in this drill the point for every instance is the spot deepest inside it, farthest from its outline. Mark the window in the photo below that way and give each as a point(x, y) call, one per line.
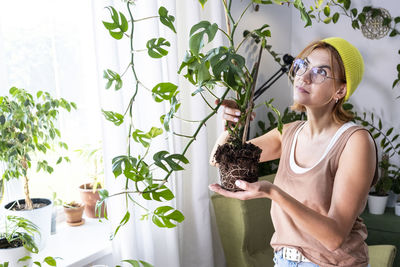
point(48, 45)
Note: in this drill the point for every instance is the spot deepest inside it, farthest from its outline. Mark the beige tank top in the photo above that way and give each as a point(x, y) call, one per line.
point(313, 188)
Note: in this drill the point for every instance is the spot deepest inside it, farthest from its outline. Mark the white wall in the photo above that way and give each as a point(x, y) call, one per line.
point(374, 94)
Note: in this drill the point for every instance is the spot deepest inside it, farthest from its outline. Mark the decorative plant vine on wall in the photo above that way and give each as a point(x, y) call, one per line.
point(330, 11)
point(222, 66)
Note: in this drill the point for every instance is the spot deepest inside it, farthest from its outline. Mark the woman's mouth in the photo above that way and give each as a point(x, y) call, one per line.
point(302, 90)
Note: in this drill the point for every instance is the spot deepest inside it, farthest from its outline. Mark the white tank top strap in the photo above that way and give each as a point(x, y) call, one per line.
point(299, 170)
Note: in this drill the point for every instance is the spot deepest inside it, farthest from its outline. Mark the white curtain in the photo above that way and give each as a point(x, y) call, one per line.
point(194, 242)
point(62, 47)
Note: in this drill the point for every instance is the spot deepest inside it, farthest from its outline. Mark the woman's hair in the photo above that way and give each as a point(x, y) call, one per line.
point(340, 115)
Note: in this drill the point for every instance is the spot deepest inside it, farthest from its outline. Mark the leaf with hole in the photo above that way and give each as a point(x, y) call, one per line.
point(167, 20)
point(154, 47)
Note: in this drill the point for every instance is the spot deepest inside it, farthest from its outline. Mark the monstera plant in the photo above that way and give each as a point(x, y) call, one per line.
point(206, 68)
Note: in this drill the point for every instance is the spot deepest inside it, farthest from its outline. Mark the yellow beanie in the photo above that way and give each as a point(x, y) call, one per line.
point(352, 61)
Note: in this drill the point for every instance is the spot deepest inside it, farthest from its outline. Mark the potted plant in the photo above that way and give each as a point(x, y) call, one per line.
point(378, 198)
point(74, 212)
point(89, 191)
point(28, 129)
point(389, 173)
point(16, 242)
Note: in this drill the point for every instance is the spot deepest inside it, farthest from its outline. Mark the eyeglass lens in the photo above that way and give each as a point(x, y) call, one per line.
point(300, 66)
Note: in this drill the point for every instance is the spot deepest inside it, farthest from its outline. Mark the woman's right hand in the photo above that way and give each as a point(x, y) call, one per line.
point(231, 113)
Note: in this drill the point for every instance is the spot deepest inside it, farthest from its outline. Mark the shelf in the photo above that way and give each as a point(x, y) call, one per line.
point(78, 245)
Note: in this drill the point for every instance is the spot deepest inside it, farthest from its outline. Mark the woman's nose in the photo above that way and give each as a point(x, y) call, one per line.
point(306, 77)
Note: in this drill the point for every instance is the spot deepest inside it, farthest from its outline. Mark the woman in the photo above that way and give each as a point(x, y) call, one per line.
point(327, 164)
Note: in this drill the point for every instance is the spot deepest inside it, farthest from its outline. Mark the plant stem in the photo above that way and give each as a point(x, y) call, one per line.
point(146, 18)
point(28, 201)
point(253, 86)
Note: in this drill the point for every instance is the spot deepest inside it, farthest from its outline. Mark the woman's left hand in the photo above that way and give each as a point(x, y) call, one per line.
point(260, 189)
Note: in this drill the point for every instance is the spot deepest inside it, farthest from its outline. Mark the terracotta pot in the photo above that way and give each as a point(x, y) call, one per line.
point(90, 199)
point(74, 215)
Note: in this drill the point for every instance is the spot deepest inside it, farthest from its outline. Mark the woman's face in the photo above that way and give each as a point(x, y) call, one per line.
point(308, 88)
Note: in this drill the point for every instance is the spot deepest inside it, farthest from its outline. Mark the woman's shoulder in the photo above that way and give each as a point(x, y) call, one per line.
point(292, 125)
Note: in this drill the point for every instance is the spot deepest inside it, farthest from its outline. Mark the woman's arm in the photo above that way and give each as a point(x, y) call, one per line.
point(352, 182)
point(270, 143)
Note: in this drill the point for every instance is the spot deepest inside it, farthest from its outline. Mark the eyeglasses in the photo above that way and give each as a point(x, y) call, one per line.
point(317, 74)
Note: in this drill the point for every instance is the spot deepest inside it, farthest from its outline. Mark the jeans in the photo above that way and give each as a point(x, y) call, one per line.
point(281, 262)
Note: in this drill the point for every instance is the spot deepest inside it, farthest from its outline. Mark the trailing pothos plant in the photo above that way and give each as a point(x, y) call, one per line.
point(27, 128)
point(221, 66)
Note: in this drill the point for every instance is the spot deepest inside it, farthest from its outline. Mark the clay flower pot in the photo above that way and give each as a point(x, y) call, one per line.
point(90, 199)
point(74, 212)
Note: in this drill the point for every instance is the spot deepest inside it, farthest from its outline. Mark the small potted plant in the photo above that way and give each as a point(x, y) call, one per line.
point(16, 242)
point(28, 129)
point(377, 199)
point(89, 191)
point(74, 212)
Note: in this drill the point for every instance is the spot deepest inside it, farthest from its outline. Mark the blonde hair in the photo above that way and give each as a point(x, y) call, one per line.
point(339, 114)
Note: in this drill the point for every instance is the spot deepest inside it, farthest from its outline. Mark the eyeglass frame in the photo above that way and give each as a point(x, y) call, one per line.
point(292, 74)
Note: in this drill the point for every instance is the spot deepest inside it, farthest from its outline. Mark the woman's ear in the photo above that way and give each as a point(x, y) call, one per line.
point(341, 92)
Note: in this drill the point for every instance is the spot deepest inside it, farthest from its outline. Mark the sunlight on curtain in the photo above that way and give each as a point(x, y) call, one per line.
point(49, 45)
point(62, 47)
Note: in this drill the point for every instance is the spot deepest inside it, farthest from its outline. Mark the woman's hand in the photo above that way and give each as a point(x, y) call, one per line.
point(260, 189)
point(231, 113)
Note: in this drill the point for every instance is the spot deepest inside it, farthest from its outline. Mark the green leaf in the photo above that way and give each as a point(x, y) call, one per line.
point(166, 119)
point(395, 82)
point(162, 193)
point(50, 261)
point(119, 24)
point(361, 18)
point(380, 124)
point(226, 62)
point(141, 137)
point(197, 70)
point(262, 33)
point(202, 2)
point(366, 9)
point(393, 33)
point(346, 4)
point(197, 32)
point(397, 20)
point(154, 47)
point(167, 20)
point(327, 20)
point(165, 215)
point(303, 12)
point(335, 17)
point(164, 91)
point(161, 157)
point(355, 24)
point(376, 135)
point(327, 10)
point(354, 12)
point(112, 76)
point(114, 117)
point(386, 21)
point(135, 263)
point(389, 131)
point(395, 137)
point(121, 223)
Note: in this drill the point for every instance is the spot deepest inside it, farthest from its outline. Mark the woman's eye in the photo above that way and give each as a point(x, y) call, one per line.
point(319, 71)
